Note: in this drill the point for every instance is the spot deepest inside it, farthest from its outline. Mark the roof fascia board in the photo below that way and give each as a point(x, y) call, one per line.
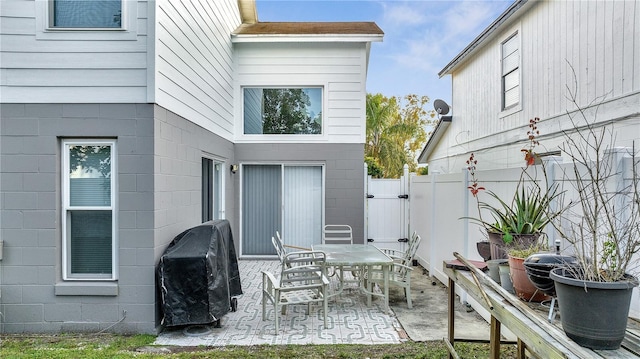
point(305, 38)
point(487, 34)
point(248, 11)
point(435, 137)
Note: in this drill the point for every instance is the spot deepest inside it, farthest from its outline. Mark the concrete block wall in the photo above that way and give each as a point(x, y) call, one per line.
point(179, 148)
point(33, 297)
point(344, 176)
point(159, 165)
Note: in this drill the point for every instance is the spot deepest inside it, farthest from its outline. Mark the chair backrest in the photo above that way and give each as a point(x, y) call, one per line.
point(303, 268)
point(412, 247)
point(279, 246)
point(337, 234)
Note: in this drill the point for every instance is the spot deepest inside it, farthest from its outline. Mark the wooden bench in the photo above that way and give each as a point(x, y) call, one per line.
point(537, 337)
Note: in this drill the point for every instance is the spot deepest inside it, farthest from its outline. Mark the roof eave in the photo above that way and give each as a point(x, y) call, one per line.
point(435, 137)
point(485, 35)
point(240, 38)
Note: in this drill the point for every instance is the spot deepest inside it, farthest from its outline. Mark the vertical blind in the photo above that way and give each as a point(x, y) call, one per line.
point(303, 205)
point(206, 189)
point(261, 208)
point(283, 198)
point(217, 191)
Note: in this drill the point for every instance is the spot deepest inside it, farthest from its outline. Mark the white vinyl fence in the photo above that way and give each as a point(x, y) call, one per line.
point(387, 211)
point(439, 201)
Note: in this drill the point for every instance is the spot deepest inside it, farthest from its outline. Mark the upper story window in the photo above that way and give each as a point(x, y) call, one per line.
point(283, 111)
point(86, 14)
point(511, 72)
point(88, 223)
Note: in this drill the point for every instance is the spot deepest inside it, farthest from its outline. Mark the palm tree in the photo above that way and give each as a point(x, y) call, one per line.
point(394, 134)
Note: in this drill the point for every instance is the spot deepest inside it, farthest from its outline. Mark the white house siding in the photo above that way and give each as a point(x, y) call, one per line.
point(41, 66)
point(194, 61)
point(339, 68)
point(601, 41)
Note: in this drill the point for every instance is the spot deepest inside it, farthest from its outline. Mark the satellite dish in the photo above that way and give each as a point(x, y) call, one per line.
point(441, 107)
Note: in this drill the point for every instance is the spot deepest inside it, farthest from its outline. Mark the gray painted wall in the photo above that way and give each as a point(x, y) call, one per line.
point(159, 165)
point(344, 186)
point(30, 271)
point(178, 150)
point(159, 159)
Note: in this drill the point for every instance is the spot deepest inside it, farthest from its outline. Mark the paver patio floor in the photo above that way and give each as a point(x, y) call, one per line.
point(350, 321)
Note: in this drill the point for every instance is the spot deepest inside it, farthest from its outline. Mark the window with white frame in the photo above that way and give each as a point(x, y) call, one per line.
point(511, 72)
point(283, 111)
point(212, 189)
point(89, 211)
point(85, 14)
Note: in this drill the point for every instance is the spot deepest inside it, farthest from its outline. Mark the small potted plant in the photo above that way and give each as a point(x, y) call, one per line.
point(602, 228)
point(523, 287)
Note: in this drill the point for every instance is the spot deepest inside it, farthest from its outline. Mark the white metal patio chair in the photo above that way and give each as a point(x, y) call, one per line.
point(302, 280)
point(400, 272)
point(404, 257)
point(337, 234)
point(281, 251)
point(341, 234)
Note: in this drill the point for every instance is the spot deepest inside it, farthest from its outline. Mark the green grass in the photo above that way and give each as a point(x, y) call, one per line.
point(141, 346)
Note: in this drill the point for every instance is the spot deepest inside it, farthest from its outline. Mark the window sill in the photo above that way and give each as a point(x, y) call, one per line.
point(106, 289)
point(510, 111)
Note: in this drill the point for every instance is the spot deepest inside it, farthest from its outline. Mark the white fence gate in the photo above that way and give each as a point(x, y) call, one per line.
point(387, 211)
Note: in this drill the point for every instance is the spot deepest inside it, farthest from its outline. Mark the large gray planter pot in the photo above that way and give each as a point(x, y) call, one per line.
point(593, 314)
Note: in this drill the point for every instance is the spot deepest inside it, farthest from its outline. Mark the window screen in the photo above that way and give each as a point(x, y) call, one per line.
point(87, 13)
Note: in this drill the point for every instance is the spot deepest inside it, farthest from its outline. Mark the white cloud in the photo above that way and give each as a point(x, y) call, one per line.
point(446, 28)
point(421, 37)
point(402, 14)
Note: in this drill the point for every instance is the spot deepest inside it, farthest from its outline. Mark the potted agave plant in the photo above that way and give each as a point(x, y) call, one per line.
point(602, 228)
point(519, 222)
point(516, 227)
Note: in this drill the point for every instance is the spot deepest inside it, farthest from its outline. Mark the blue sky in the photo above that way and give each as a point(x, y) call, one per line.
point(421, 36)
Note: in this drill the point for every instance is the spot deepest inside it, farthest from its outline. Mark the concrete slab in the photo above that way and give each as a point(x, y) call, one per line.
point(427, 320)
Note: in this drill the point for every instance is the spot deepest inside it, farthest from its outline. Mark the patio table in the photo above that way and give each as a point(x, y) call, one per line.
point(362, 255)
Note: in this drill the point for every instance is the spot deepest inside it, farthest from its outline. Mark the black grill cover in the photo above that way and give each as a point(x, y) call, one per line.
point(198, 275)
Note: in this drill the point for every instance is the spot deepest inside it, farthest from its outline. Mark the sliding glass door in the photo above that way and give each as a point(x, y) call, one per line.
point(284, 198)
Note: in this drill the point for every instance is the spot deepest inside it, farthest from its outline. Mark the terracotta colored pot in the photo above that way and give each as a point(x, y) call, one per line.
point(523, 287)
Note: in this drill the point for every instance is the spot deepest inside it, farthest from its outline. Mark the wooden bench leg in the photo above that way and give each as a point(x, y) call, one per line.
point(521, 348)
point(452, 314)
point(494, 351)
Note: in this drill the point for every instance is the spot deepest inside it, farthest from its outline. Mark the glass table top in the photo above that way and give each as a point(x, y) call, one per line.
point(353, 254)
